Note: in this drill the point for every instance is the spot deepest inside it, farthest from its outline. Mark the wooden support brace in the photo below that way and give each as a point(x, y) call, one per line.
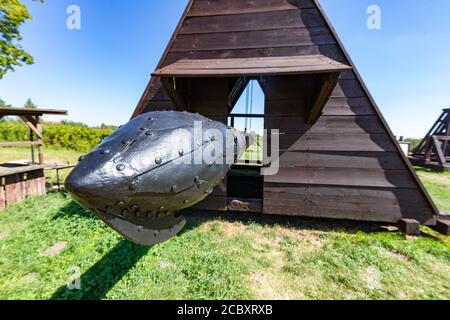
point(409, 226)
point(329, 83)
point(442, 226)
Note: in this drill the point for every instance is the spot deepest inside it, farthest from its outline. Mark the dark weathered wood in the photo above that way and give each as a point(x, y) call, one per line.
point(211, 8)
point(253, 21)
point(30, 112)
point(328, 84)
point(409, 226)
point(237, 67)
point(342, 159)
point(350, 144)
point(244, 205)
point(343, 177)
point(253, 39)
point(336, 142)
point(442, 226)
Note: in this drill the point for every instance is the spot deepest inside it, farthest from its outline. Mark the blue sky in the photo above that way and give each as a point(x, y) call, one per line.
point(99, 72)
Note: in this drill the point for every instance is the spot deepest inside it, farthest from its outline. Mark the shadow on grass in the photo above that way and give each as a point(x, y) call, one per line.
point(105, 274)
point(74, 209)
point(328, 225)
point(108, 271)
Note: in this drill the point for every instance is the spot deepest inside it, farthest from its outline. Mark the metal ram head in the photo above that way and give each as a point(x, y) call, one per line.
point(159, 163)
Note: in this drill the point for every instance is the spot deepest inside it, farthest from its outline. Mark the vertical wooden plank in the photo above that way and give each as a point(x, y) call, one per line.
point(2, 194)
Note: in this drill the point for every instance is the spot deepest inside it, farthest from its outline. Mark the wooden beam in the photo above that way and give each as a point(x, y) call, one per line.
point(329, 83)
point(21, 144)
point(173, 89)
point(32, 124)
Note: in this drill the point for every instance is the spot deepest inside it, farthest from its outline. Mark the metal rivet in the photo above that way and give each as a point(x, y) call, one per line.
point(213, 138)
point(158, 160)
point(134, 207)
point(81, 158)
point(106, 151)
point(186, 201)
point(148, 133)
point(126, 142)
point(151, 119)
point(181, 152)
point(174, 188)
point(142, 129)
point(133, 185)
point(120, 167)
point(120, 204)
point(196, 179)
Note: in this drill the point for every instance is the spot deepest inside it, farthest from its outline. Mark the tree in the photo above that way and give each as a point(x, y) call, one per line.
point(3, 104)
point(12, 15)
point(30, 104)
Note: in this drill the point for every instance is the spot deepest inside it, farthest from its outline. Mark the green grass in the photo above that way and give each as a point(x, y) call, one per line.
point(438, 184)
point(59, 156)
point(215, 259)
point(218, 259)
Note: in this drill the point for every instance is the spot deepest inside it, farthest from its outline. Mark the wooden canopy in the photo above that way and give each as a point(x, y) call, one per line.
point(292, 65)
point(30, 112)
point(31, 118)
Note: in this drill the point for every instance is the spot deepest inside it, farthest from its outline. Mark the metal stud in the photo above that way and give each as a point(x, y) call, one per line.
point(134, 207)
point(181, 152)
point(158, 160)
point(81, 158)
point(125, 142)
point(121, 204)
point(174, 188)
point(197, 179)
point(133, 185)
point(149, 133)
point(186, 201)
point(120, 167)
point(106, 151)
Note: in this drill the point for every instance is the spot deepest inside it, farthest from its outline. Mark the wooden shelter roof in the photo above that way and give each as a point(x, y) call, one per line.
point(30, 112)
point(289, 65)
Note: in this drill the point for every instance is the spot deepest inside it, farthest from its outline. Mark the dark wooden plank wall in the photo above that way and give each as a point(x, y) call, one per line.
point(346, 165)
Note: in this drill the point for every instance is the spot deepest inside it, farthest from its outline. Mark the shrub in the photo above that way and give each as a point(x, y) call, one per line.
point(72, 136)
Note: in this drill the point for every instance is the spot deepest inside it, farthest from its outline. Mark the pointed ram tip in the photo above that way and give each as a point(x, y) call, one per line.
point(137, 182)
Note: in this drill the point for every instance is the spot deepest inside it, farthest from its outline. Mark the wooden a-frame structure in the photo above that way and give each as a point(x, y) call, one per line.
point(434, 150)
point(339, 158)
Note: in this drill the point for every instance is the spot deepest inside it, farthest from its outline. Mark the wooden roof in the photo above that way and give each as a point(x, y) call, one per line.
point(289, 65)
point(30, 112)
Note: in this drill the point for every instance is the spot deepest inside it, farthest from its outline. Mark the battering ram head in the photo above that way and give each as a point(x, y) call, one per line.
point(141, 176)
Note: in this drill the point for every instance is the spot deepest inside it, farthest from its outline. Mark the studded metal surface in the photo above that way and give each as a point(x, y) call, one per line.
point(141, 175)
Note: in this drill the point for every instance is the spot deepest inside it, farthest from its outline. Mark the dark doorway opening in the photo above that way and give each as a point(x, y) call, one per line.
point(244, 179)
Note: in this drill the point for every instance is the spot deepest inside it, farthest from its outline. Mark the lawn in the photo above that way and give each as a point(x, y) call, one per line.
point(45, 241)
point(59, 156)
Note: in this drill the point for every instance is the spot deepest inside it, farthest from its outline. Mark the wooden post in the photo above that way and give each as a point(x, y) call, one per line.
point(32, 147)
point(40, 146)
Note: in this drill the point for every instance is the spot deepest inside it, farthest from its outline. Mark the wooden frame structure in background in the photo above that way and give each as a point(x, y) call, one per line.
point(22, 180)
